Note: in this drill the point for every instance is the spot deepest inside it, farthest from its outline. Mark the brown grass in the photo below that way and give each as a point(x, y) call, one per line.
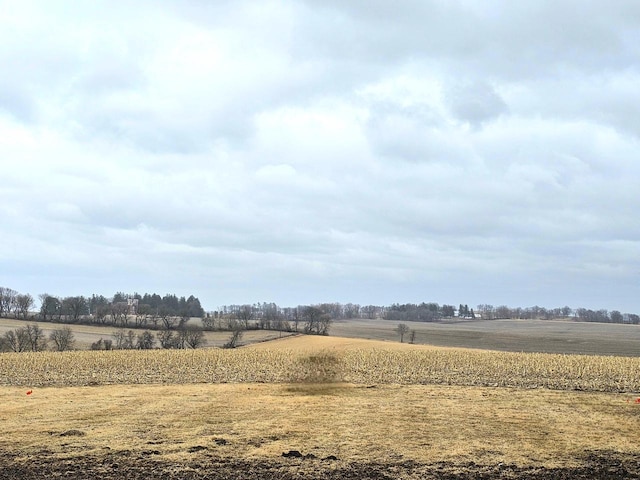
point(421, 423)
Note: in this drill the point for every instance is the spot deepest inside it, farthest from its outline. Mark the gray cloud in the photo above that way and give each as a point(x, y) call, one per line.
point(319, 151)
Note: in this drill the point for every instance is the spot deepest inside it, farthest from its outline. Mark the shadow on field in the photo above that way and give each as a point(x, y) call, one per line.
point(318, 374)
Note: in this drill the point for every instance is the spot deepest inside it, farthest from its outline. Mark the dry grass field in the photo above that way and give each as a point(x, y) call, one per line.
point(338, 407)
point(85, 335)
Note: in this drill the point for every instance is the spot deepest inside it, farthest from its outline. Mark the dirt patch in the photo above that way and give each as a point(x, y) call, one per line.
point(132, 466)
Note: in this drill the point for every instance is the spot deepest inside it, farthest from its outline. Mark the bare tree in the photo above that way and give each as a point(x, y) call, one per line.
point(316, 321)
point(36, 337)
point(370, 311)
point(311, 316)
point(145, 341)
point(7, 301)
point(16, 340)
point(208, 322)
point(245, 314)
point(119, 312)
point(402, 330)
point(101, 314)
point(194, 336)
point(75, 307)
point(412, 337)
point(49, 306)
point(185, 316)
point(124, 339)
point(168, 320)
point(142, 314)
point(351, 310)
point(166, 338)
point(616, 316)
point(235, 338)
point(270, 317)
point(63, 339)
point(295, 316)
point(23, 304)
point(325, 324)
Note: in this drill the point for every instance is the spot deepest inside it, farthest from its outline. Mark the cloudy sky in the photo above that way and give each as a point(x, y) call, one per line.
point(309, 151)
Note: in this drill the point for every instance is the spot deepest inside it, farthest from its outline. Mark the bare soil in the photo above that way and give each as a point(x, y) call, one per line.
point(130, 466)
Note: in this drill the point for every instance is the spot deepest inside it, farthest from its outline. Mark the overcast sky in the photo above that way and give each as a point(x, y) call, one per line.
point(309, 151)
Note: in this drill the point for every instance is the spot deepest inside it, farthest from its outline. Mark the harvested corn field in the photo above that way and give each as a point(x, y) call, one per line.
point(321, 359)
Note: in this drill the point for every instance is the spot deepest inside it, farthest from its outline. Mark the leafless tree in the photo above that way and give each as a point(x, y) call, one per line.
point(402, 330)
point(208, 322)
point(235, 338)
point(75, 307)
point(16, 340)
point(7, 301)
point(194, 336)
point(271, 316)
point(36, 337)
point(168, 320)
point(23, 304)
point(63, 339)
point(296, 317)
point(245, 314)
point(370, 311)
point(101, 314)
point(351, 310)
point(49, 306)
point(119, 312)
point(311, 316)
point(316, 321)
point(124, 339)
point(166, 338)
point(184, 319)
point(142, 315)
point(145, 340)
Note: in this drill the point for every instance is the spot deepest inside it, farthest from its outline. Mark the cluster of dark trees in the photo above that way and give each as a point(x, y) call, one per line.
point(424, 312)
point(311, 319)
point(122, 310)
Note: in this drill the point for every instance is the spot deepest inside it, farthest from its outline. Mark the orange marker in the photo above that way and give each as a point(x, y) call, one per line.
point(29, 392)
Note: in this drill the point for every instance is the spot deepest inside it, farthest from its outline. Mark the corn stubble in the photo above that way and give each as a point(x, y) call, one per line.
point(287, 363)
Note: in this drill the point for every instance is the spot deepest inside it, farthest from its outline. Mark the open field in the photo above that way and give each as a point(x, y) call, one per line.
point(508, 335)
point(504, 335)
point(344, 408)
point(85, 335)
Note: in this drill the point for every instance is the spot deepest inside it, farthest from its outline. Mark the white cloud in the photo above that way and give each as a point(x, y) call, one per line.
point(318, 151)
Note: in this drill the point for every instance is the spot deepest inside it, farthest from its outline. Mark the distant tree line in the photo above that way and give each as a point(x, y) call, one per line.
point(172, 313)
point(310, 319)
point(122, 310)
point(268, 315)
